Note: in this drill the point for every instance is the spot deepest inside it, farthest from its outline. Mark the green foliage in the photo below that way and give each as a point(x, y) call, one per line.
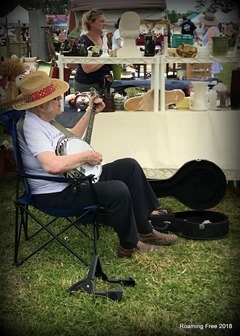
point(173, 16)
point(48, 6)
point(194, 283)
point(226, 73)
point(203, 6)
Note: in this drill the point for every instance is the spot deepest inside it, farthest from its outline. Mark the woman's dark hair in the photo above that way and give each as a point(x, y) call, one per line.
point(185, 18)
point(116, 25)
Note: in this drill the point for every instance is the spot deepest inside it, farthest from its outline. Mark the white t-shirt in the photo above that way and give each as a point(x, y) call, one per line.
point(116, 36)
point(40, 136)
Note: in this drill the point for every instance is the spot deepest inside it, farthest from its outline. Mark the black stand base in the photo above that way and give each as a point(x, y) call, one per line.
point(96, 269)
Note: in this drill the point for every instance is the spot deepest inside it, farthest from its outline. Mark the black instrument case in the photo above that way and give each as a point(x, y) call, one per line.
point(200, 185)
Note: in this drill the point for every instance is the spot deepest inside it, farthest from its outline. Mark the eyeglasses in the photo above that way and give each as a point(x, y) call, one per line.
point(57, 98)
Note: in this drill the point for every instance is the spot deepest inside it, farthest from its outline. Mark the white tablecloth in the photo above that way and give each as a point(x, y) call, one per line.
point(163, 141)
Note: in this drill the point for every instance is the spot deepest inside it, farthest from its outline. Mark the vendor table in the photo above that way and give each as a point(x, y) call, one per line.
point(120, 85)
point(158, 63)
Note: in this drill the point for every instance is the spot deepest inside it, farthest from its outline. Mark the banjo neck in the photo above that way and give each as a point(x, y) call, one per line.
point(89, 130)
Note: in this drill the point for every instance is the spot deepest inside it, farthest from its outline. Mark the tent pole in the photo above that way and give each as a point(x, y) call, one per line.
point(19, 40)
point(7, 40)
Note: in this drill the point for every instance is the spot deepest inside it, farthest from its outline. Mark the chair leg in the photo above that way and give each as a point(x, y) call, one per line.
point(21, 219)
point(21, 222)
point(17, 236)
point(88, 285)
point(24, 220)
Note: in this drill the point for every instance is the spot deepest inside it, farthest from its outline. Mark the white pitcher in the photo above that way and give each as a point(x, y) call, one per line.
point(199, 98)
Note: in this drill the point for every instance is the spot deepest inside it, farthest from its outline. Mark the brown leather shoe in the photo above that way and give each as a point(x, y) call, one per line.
point(122, 252)
point(163, 239)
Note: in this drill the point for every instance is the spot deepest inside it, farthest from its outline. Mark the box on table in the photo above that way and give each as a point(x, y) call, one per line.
point(179, 39)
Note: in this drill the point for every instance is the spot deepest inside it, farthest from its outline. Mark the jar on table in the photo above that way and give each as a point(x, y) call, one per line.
point(222, 95)
point(150, 43)
point(82, 50)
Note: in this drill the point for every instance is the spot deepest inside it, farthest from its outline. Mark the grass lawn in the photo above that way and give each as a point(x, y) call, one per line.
point(192, 290)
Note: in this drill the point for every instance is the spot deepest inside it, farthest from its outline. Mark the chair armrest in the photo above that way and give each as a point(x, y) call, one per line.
point(74, 180)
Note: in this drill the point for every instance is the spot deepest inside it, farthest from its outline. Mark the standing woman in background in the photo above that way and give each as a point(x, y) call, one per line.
point(92, 75)
point(210, 23)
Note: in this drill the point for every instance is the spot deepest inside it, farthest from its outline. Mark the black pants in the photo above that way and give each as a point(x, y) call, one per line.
point(122, 190)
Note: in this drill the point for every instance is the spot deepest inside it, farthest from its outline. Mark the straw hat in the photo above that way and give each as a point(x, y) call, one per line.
point(38, 88)
point(209, 19)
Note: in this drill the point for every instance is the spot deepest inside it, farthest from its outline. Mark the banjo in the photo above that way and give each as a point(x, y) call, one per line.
point(71, 144)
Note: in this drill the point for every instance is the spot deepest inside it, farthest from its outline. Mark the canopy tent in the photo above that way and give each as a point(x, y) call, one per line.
point(152, 11)
point(231, 16)
point(16, 15)
point(110, 5)
point(192, 15)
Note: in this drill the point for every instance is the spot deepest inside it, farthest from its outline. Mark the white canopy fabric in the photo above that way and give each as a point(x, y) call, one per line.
point(18, 14)
point(231, 16)
point(85, 5)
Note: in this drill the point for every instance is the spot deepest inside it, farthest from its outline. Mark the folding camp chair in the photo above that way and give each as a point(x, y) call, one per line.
point(26, 212)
